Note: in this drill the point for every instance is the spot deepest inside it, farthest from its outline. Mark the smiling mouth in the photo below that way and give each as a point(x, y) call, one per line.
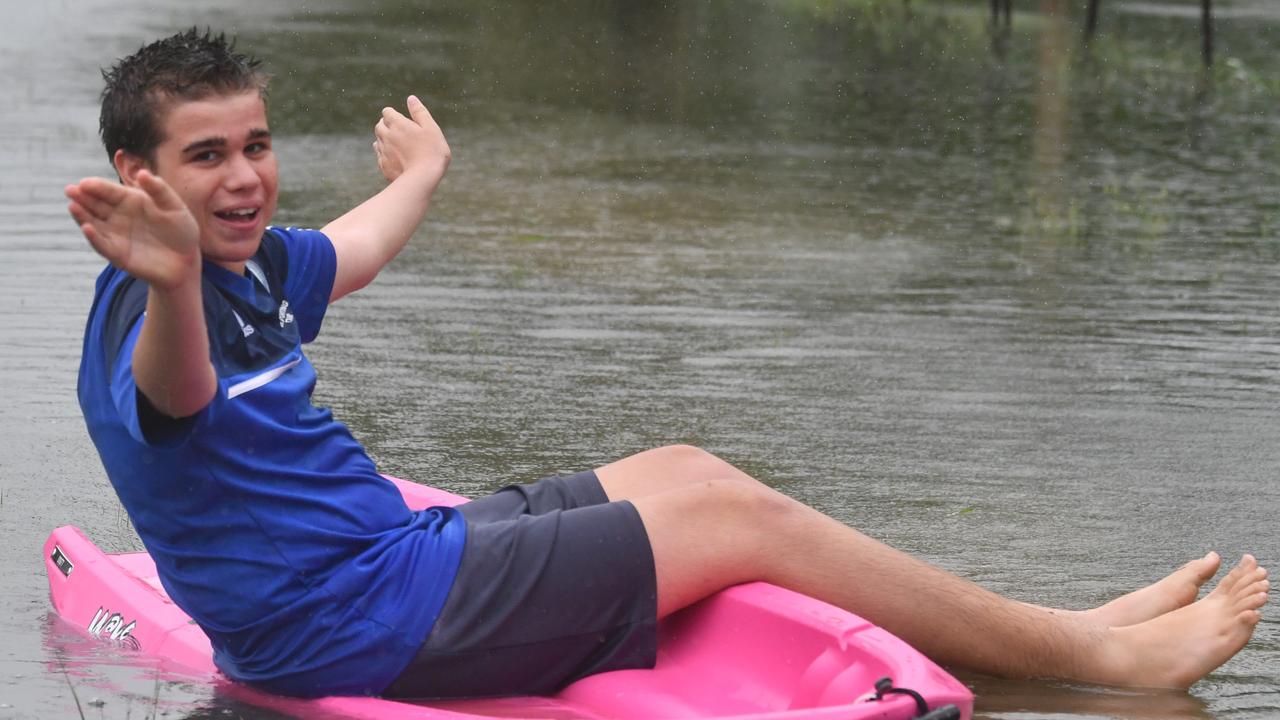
point(238, 215)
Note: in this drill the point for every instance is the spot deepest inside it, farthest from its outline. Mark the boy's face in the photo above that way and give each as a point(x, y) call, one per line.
point(216, 154)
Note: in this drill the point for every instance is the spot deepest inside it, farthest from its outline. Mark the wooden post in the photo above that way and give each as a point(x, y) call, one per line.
point(1091, 20)
point(998, 6)
point(1206, 30)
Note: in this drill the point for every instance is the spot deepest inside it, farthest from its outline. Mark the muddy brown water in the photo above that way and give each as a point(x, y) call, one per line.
point(1001, 302)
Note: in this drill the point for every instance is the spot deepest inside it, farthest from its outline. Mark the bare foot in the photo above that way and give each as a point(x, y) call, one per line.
point(1180, 647)
point(1175, 590)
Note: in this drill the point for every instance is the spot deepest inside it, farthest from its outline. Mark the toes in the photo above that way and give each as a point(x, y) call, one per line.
point(1248, 562)
point(1249, 618)
point(1258, 575)
point(1230, 581)
point(1246, 571)
point(1251, 595)
point(1203, 568)
point(1252, 601)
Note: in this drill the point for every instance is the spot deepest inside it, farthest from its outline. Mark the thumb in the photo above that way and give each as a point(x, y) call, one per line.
point(418, 111)
point(159, 191)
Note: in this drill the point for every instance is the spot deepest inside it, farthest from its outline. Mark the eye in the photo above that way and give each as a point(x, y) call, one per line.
point(205, 156)
point(257, 148)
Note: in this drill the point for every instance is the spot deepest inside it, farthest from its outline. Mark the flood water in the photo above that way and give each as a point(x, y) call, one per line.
point(1005, 303)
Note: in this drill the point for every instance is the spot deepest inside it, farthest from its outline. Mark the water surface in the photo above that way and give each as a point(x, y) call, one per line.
point(1004, 303)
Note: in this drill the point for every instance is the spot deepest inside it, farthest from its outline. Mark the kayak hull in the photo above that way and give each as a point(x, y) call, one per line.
point(751, 652)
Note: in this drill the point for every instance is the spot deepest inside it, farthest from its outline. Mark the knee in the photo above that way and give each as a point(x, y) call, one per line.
point(695, 464)
point(685, 454)
point(755, 501)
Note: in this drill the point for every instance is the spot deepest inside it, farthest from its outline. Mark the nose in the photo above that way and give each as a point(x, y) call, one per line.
point(241, 174)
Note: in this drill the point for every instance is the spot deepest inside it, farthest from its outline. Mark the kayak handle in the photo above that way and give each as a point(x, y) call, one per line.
point(884, 686)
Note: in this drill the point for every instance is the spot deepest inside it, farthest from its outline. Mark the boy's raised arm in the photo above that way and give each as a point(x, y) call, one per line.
point(149, 233)
point(413, 155)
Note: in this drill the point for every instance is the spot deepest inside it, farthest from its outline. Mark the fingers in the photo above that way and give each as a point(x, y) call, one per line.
point(401, 143)
point(93, 203)
point(79, 213)
point(97, 196)
point(89, 212)
point(384, 152)
point(97, 187)
point(107, 212)
point(164, 196)
point(102, 242)
point(391, 116)
point(382, 128)
point(418, 114)
point(86, 207)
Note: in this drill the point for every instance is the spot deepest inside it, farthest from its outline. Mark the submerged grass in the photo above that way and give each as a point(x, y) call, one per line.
point(74, 695)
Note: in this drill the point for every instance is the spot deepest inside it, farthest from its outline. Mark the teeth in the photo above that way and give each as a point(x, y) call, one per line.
point(244, 213)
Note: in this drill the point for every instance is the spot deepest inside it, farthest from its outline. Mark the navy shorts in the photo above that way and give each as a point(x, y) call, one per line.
point(556, 583)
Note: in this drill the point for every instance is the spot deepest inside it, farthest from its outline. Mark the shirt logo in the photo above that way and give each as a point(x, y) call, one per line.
point(245, 327)
point(286, 317)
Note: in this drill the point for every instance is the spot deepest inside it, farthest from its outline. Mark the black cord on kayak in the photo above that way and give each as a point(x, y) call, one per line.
point(884, 686)
point(946, 712)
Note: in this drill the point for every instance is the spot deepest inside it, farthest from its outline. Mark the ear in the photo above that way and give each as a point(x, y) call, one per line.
point(127, 167)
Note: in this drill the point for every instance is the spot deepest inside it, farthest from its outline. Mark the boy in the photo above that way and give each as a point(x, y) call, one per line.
point(271, 527)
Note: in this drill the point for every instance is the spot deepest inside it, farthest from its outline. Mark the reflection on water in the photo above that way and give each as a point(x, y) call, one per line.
point(1006, 700)
point(99, 679)
point(1049, 138)
point(1014, 311)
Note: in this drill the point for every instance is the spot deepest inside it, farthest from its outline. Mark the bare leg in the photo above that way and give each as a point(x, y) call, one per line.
point(712, 526)
point(668, 468)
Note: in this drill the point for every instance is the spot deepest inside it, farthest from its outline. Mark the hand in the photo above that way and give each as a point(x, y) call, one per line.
point(410, 144)
point(147, 230)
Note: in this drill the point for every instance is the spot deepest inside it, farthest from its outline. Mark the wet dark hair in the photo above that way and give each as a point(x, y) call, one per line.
point(186, 66)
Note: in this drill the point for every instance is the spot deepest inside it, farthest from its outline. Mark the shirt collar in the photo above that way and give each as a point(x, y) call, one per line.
point(241, 285)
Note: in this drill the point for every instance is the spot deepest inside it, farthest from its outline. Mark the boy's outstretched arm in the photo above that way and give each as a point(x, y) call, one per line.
point(148, 232)
point(413, 155)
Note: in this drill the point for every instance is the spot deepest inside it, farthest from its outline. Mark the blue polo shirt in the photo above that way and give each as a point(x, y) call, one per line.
point(268, 522)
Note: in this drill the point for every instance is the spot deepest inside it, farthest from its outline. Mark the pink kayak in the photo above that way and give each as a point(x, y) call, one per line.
point(751, 652)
